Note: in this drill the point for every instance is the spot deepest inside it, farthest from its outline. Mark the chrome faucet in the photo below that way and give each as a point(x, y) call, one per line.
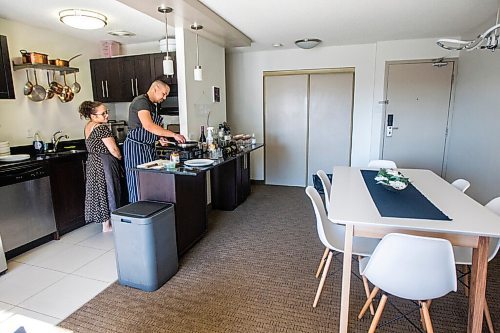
point(56, 139)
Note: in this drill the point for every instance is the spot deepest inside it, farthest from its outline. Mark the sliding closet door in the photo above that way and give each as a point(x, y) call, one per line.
point(330, 121)
point(285, 114)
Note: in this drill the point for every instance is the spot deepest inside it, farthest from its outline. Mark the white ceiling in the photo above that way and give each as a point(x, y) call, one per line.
point(264, 22)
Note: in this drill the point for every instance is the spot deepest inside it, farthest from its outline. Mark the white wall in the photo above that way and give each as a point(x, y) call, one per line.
point(20, 116)
point(474, 148)
point(245, 87)
point(199, 93)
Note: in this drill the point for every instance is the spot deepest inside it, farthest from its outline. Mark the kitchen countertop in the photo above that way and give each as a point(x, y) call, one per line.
point(193, 171)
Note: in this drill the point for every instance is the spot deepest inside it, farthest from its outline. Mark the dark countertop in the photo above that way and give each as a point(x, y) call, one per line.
point(34, 158)
point(192, 171)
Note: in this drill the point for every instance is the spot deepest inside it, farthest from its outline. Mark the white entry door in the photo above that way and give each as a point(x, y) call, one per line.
point(416, 116)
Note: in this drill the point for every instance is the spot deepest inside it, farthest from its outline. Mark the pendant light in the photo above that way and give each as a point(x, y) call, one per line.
point(168, 63)
point(198, 73)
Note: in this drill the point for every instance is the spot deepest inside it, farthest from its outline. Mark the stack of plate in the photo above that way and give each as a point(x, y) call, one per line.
point(4, 148)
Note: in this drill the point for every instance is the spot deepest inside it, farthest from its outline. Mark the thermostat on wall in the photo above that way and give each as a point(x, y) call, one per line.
point(215, 94)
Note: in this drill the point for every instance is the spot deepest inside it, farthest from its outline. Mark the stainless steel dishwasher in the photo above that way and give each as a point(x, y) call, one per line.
point(26, 212)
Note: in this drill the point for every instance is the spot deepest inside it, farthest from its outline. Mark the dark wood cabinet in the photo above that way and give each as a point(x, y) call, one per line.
point(121, 79)
point(135, 75)
point(106, 81)
point(188, 193)
point(230, 183)
point(6, 83)
point(67, 181)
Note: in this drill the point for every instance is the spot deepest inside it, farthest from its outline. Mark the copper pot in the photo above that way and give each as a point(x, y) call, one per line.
point(62, 63)
point(34, 57)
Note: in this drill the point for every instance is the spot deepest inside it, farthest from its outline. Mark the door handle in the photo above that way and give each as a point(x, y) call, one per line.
point(136, 89)
point(395, 128)
point(132, 86)
point(102, 86)
point(107, 91)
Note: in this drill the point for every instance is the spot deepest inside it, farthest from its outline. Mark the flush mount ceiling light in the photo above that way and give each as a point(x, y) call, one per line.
point(168, 63)
point(121, 33)
point(487, 40)
point(82, 19)
point(307, 43)
point(198, 73)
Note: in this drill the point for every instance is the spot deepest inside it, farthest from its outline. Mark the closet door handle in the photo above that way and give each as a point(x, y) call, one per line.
point(107, 91)
point(132, 86)
point(136, 89)
point(102, 86)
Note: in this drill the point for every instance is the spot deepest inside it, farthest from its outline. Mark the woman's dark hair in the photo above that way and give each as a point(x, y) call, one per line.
point(87, 108)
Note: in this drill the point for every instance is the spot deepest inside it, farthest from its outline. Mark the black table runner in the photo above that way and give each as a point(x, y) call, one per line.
point(408, 203)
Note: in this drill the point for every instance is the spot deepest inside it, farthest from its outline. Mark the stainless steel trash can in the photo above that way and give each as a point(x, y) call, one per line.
point(145, 244)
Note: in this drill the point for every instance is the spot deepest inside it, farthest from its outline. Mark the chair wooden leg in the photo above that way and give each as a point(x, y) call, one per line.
point(488, 317)
point(378, 314)
point(427, 317)
point(367, 292)
point(323, 277)
point(322, 262)
point(368, 302)
point(466, 280)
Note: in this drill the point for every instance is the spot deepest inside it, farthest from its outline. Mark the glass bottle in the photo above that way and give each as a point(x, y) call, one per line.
point(202, 135)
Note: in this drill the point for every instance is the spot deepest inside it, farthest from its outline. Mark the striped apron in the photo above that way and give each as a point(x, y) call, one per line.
point(139, 148)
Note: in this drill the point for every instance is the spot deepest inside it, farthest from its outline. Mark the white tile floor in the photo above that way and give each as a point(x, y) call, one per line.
point(45, 285)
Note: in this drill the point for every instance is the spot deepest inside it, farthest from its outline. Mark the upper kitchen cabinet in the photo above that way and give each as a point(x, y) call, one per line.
point(6, 84)
point(121, 79)
point(106, 81)
point(135, 76)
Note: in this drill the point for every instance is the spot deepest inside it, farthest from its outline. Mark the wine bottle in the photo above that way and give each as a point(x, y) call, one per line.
point(202, 135)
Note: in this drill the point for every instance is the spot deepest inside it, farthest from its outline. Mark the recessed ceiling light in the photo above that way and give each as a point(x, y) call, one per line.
point(82, 19)
point(121, 33)
point(277, 45)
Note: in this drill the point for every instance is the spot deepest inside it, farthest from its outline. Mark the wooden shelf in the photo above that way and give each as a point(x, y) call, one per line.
point(60, 69)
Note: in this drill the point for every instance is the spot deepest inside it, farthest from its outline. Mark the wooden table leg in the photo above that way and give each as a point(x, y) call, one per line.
point(346, 279)
point(478, 286)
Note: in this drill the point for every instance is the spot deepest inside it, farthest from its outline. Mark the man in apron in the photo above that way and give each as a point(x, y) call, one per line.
point(145, 128)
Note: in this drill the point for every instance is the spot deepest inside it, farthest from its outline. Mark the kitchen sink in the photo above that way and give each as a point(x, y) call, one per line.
point(64, 152)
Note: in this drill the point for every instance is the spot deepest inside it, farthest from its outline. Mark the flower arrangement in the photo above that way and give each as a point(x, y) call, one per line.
point(392, 179)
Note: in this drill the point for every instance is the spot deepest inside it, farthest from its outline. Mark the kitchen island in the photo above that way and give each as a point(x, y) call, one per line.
point(186, 187)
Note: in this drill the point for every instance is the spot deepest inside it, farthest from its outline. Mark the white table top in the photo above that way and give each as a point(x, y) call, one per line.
point(351, 202)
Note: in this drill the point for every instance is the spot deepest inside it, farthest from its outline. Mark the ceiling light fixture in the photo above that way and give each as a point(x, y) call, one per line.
point(198, 73)
point(168, 63)
point(121, 33)
point(82, 19)
point(307, 43)
point(487, 40)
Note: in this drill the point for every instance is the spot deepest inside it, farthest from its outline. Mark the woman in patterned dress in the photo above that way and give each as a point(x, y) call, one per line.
point(102, 194)
point(145, 126)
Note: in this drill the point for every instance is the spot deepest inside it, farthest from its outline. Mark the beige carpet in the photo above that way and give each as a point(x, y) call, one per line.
point(254, 272)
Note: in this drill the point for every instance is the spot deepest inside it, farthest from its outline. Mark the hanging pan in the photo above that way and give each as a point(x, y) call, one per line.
point(38, 93)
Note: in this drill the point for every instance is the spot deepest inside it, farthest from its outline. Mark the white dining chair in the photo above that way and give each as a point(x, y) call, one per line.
point(327, 188)
point(409, 267)
point(461, 184)
point(332, 236)
point(387, 164)
point(463, 256)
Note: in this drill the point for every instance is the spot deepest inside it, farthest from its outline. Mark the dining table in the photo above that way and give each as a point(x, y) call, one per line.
point(450, 214)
